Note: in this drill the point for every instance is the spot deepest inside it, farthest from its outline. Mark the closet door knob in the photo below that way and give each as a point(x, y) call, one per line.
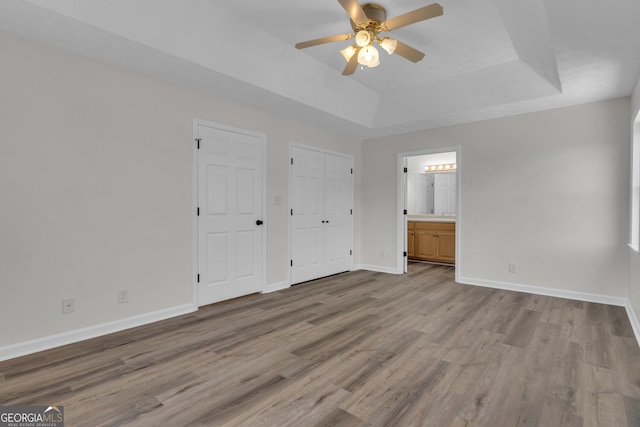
point(259, 222)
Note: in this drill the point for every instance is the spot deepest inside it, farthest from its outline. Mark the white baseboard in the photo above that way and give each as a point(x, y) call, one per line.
point(633, 319)
point(551, 292)
point(274, 287)
point(377, 268)
point(58, 340)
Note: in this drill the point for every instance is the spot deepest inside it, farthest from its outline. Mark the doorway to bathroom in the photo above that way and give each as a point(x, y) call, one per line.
point(429, 220)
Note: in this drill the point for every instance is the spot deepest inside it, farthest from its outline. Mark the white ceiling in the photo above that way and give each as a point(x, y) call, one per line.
point(484, 58)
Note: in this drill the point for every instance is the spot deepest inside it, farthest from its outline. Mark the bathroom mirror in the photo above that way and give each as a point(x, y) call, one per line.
point(432, 192)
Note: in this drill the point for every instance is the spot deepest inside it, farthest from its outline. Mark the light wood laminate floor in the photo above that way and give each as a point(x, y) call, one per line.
point(359, 348)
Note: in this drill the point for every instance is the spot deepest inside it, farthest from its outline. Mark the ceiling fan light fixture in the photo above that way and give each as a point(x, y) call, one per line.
point(389, 44)
point(363, 38)
point(367, 22)
point(348, 52)
point(368, 56)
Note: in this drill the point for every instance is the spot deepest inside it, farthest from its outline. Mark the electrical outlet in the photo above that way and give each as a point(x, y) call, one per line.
point(512, 268)
point(68, 305)
point(123, 296)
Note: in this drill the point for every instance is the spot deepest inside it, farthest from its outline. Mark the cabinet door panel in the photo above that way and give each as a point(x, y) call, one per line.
point(411, 244)
point(446, 247)
point(425, 245)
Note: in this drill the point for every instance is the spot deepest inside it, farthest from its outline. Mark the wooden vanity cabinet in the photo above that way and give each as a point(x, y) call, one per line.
point(432, 241)
point(411, 239)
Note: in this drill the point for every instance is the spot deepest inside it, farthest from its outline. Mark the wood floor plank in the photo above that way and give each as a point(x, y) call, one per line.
point(521, 333)
point(354, 349)
point(598, 348)
point(315, 400)
point(596, 313)
point(507, 311)
point(473, 363)
point(632, 408)
point(394, 410)
point(339, 418)
point(619, 324)
point(386, 382)
point(603, 403)
point(627, 362)
point(485, 402)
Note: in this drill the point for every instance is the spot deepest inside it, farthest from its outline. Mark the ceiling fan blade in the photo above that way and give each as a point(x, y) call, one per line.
point(412, 17)
point(407, 52)
point(355, 11)
point(324, 40)
point(352, 65)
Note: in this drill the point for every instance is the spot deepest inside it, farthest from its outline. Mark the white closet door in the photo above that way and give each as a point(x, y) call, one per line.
point(308, 238)
point(322, 216)
point(338, 213)
point(230, 201)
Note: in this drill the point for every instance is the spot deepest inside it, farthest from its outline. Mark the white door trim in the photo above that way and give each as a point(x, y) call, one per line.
point(194, 216)
point(405, 244)
point(401, 233)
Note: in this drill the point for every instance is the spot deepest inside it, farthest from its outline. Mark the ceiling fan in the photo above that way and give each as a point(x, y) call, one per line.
point(368, 21)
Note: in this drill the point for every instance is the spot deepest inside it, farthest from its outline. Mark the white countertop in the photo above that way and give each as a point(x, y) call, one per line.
point(431, 218)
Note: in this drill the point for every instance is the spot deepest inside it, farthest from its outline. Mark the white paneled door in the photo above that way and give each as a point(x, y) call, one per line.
point(338, 212)
point(445, 193)
point(322, 214)
point(230, 214)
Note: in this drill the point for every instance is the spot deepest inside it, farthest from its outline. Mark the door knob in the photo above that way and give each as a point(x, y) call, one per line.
point(259, 222)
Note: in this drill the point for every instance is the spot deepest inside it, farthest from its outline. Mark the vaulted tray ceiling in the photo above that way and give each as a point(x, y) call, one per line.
point(484, 58)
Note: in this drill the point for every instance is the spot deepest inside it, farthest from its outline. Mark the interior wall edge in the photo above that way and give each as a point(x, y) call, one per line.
point(550, 292)
point(633, 319)
point(48, 342)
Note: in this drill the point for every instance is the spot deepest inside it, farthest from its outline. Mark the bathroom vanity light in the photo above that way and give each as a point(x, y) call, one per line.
point(440, 168)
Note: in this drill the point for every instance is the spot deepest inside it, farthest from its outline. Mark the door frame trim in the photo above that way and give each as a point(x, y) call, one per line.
point(401, 233)
point(194, 202)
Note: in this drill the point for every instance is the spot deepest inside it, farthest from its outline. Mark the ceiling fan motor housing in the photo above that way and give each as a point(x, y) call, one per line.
point(376, 14)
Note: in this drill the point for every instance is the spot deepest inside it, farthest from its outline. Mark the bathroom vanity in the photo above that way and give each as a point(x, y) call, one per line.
point(431, 238)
